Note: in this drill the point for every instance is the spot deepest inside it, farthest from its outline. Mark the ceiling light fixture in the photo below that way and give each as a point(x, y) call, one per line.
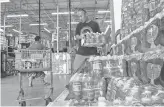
point(3, 1)
point(37, 24)
point(7, 26)
point(1, 30)
point(21, 15)
point(17, 31)
point(73, 22)
point(62, 13)
point(103, 11)
point(107, 29)
point(108, 21)
point(47, 30)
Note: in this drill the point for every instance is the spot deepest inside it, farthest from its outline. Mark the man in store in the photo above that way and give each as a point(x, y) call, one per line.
point(37, 46)
point(86, 25)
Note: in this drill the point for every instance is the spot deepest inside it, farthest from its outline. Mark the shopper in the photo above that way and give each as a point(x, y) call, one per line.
point(86, 25)
point(37, 46)
point(83, 27)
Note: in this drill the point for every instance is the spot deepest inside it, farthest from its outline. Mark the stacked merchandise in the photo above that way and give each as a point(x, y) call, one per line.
point(134, 73)
point(3, 42)
point(93, 39)
point(26, 59)
point(136, 12)
point(26, 38)
point(142, 51)
point(61, 63)
point(88, 86)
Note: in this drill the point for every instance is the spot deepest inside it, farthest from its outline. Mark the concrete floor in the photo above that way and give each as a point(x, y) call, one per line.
point(10, 89)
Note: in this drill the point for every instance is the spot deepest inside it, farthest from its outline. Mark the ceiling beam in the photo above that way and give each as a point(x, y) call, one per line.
point(89, 9)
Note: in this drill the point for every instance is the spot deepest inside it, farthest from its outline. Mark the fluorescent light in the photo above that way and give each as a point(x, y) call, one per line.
point(103, 11)
point(62, 13)
point(10, 34)
point(37, 24)
point(17, 31)
point(73, 22)
point(21, 15)
point(107, 29)
point(3, 1)
point(108, 21)
point(7, 26)
point(47, 30)
point(1, 30)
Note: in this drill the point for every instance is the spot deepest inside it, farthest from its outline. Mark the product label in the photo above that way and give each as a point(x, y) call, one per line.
point(113, 96)
point(77, 86)
point(133, 68)
point(133, 43)
point(153, 71)
point(139, 21)
point(90, 94)
point(152, 6)
point(123, 48)
point(152, 33)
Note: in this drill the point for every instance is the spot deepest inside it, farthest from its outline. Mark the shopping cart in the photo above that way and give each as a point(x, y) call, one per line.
point(31, 61)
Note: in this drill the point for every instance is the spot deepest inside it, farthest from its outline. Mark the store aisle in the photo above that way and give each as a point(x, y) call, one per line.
point(10, 89)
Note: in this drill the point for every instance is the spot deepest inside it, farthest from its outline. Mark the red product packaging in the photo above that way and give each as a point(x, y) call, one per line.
point(125, 67)
point(127, 47)
point(133, 44)
point(135, 68)
point(109, 89)
point(137, 48)
point(133, 24)
point(153, 7)
point(120, 49)
point(161, 5)
point(151, 34)
point(143, 68)
point(159, 41)
point(154, 69)
point(139, 20)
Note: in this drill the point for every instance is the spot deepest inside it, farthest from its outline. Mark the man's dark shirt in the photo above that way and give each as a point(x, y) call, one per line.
point(83, 28)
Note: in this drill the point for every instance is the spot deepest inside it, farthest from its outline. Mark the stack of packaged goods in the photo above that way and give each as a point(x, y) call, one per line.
point(136, 12)
point(141, 50)
point(94, 40)
point(61, 63)
point(26, 38)
point(32, 60)
point(133, 75)
point(88, 86)
point(130, 91)
point(3, 42)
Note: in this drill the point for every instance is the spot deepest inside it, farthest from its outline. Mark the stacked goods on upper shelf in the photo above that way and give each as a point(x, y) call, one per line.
point(142, 48)
point(93, 39)
point(136, 12)
point(146, 38)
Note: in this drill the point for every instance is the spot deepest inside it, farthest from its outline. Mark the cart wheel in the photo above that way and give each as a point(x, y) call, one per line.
point(22, 103)
point(48, 100)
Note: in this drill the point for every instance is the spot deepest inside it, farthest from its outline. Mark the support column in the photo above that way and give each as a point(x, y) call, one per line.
point(113, 21)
